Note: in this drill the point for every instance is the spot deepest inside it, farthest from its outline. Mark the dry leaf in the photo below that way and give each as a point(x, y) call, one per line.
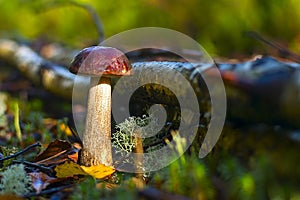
point(54, 148)
point(41, 180)
point(57, 151)
point(69, 168)
point(73, 157)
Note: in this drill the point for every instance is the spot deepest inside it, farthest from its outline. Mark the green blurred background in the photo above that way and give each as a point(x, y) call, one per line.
point(218, 25)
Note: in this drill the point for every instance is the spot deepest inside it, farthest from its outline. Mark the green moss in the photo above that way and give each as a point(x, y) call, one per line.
point(91, 189)
point(7, 151)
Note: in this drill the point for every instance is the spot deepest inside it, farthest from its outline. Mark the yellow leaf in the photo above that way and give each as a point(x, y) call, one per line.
point(69, 168)
point(98, 171)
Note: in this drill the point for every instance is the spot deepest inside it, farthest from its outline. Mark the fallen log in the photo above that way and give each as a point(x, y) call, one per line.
point(52, 77)
point(260, 90)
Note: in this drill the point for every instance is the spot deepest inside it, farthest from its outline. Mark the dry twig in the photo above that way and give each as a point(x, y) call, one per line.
point(283, 52)
point(21, 152)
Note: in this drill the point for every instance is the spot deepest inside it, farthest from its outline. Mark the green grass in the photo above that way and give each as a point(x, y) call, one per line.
point(246, 163)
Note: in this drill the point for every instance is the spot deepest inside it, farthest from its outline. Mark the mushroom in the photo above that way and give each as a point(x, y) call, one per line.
point(100, 63)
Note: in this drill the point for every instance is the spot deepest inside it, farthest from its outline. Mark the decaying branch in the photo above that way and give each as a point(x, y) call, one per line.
point(263, 89)
point(20, 152)
point(52, 77)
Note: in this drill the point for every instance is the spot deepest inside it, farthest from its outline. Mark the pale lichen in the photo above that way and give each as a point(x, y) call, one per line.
point(124, 138)
point(15, 181)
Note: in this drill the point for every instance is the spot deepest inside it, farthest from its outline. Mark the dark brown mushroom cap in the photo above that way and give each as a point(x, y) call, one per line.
point(100, 61)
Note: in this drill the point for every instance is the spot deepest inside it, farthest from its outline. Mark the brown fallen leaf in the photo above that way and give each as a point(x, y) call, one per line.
point(57, 152)
point(73, 157)
point(69, 169)
point(41, 180)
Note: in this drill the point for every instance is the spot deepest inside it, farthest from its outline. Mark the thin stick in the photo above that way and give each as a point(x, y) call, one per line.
point(47, 170)
point(21, 152)
point(283, 51)
point(96, 19)
point(91, 10)
point(51, 157)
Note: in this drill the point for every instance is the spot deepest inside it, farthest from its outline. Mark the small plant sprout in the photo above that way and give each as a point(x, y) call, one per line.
point(100, 63)
point(178, 145)
point(17, 121)
point(15, 181)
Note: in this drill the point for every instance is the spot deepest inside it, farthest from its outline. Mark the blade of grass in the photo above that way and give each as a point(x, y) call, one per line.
point(17, 121)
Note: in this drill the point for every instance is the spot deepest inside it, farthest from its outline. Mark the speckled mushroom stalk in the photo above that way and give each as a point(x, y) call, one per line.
point(101, 63)
point(97, 136)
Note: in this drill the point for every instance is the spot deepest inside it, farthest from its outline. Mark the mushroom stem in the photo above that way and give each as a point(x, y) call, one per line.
point(97, 137)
